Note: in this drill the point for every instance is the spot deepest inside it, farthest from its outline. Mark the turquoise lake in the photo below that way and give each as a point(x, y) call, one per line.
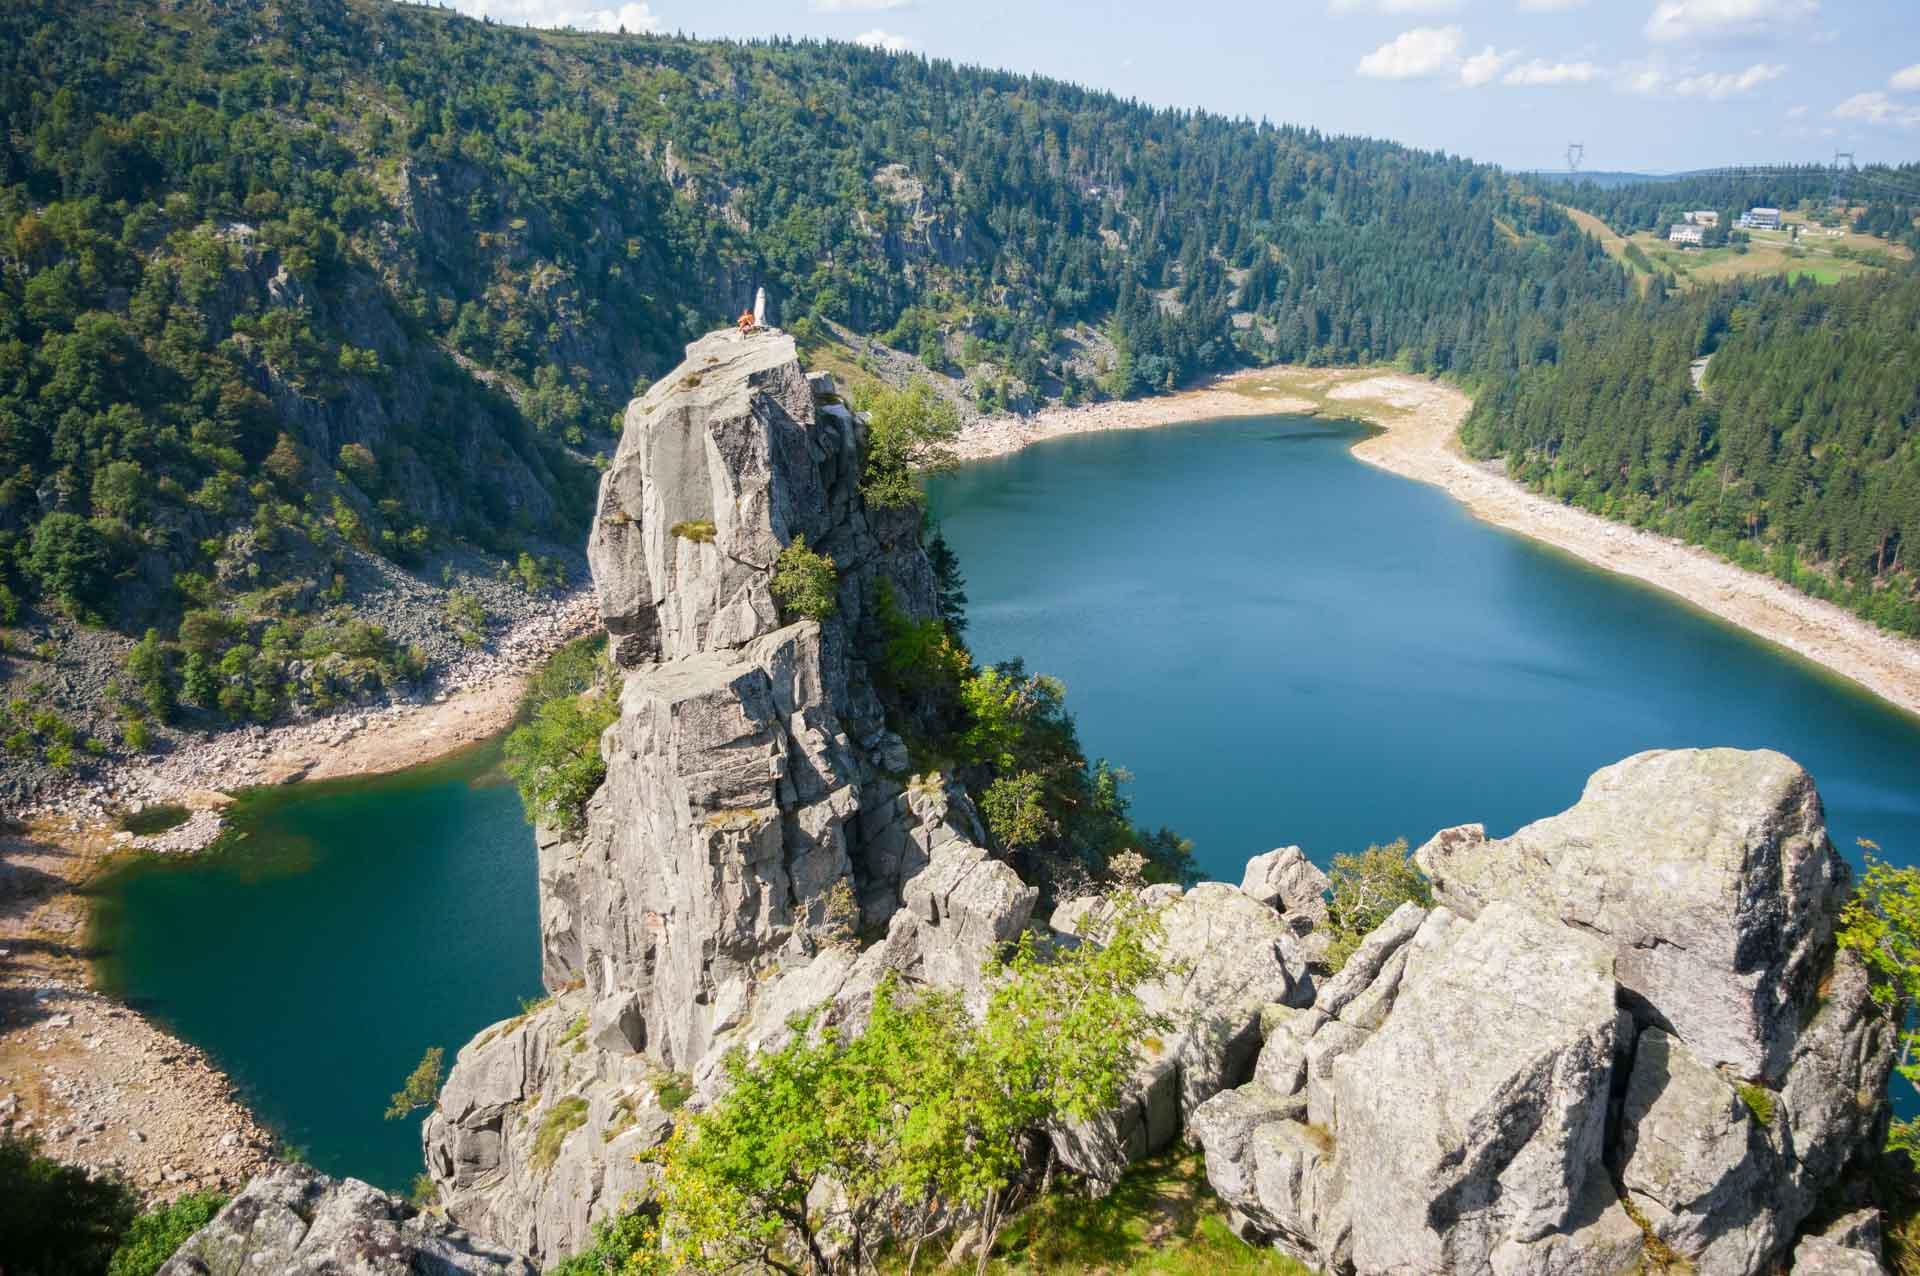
point(1286, 645)
point(1281, 643)
point(355, 924)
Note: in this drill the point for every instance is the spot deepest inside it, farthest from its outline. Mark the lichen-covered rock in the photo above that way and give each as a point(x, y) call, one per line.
point(1710, 872)
point(1819, 1256)
point(1287, 881)
point(1228, 958)
point(1443, 1106)
point(294, 1221)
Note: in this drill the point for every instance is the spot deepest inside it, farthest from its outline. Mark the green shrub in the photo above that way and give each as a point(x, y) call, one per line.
point(536, 575)
point(156, 1234)
point(555, 758)
point(1015, 812)
point(54, 1219)
point(672, 1089)
point(907, 434)
point(805, 582)
point(616, 1243)
point(569, 671)
point(468, 616)
point(562, 1119)
point(697, 530)
point(1366, 888)
point(1759, 1100)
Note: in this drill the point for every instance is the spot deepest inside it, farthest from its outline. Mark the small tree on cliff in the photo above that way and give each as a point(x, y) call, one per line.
point(1366, 888)
point(1882, 924)
point(908, 432)
point(924, 1117)
point(422, 1086)
point(805, 581)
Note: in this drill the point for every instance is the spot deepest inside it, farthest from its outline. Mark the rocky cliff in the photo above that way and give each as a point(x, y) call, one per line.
point(1624, 1031)
point(1623, 1034)
point(757, 816)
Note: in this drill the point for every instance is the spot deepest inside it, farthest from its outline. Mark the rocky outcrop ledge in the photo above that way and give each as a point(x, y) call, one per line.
point(757, 816)
point(1625, 1031)
point(293, 1219)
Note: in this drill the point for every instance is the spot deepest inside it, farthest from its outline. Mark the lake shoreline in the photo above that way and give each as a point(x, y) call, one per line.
point(102, 1085)
point(474, 700)
point(1417, 421)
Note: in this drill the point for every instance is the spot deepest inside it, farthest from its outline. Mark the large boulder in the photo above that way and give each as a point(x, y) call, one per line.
point(1445, 1114)
point(296, 1221)
point(1288, 882)
point(1625, 1031)
point(1709, 871)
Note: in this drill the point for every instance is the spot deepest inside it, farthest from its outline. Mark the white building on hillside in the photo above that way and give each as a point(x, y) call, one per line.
point(1762, 219)
point(1687, 235)
point(1703, 217)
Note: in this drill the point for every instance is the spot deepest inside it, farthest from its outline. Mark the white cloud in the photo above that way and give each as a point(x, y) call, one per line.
point(1641, 77)
point(552, 14)
point(1414, 54)
point(1877, 108)
point(1675, 20)
point(885, 41)
point(1394, 6)
point(858, 6)
point(1907, 80)
point(1724, 84)
point(1485, 66)
point(1539, 71)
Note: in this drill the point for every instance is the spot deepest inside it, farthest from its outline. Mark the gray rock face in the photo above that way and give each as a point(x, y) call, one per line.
point(1229, 958)
point(293, 1221)
point(1479, 1086)
point(1287, 881)
point(754, 818)
point(1709, 870)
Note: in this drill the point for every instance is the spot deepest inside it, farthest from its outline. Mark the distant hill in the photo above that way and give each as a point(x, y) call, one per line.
point(318, 312)
point(313, 308)
point(1601, 178)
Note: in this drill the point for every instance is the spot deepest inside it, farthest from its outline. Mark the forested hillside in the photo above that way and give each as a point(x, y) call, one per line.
point(304, 296)
point(1801, 457)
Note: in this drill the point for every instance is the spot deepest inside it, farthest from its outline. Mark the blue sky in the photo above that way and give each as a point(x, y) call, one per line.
point(1648, 85)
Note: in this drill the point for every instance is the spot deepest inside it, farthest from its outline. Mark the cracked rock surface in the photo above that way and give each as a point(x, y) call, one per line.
point(1626, 1024)
point(295, 1221)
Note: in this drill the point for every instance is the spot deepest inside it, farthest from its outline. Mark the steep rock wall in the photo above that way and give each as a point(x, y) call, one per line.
point(756, 815)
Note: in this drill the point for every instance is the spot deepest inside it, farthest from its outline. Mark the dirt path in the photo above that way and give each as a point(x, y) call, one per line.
point(1419, 420)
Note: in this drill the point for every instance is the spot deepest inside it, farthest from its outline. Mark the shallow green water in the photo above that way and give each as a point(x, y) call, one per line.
point(1283, 644)
point(355, 924)
point(1287, 645)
